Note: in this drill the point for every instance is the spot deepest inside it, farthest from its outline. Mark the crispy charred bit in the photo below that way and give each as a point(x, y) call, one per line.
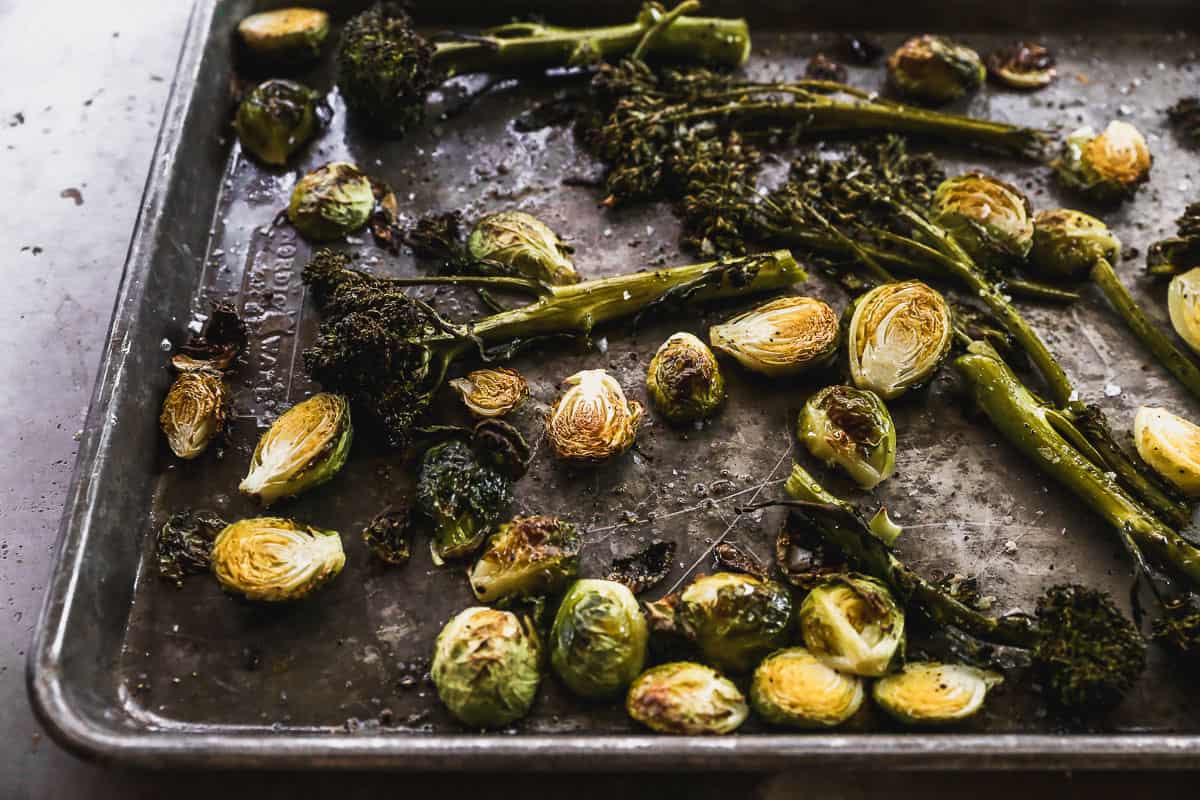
point(732, 557)
point(389, 534)
point(1024, 65)
point(645, 569)
point(184, 544)
point(1185, 115)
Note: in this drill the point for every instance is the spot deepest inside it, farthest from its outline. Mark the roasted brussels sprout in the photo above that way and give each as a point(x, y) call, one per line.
point(184, 544)
point(598, 641)
point(462, 496)
point(525, 557)
point(989, 218)
point(899, 334)
point(1171, 445)
point(516, 243)
point(486, 667)
point(929, 693)
point(1106, 167)
point(684, 379)
point(276, 119)
point(1183, 306)
point(850, 428)
point(852, 624)
point(1022, 66)
point(274, 559)
point(1067, 244)
point(387, 535)
point(592, 420)
point(491, 392)
point(793, 688)
point(331, 201)
point(734, 619)
point(934, 69)
point(194, 411)
point(305, 447)
point(285, 36)
point(782, 337)
point(686, 698)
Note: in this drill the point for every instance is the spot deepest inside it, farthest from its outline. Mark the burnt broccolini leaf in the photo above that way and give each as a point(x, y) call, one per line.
point(388, 535)
point(461, 496)
point(1179, 253)
point(185, 543)
point(502, 446)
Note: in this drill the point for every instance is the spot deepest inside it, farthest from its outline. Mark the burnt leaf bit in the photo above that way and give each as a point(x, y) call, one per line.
point(645, 569)
point(1180, 253)
point(221, 339)
point(804, 557)
point(185, 543)
point(388, 535)
point(730, 557)
point(502, 446)
point(823, 68)
point(1185, 114)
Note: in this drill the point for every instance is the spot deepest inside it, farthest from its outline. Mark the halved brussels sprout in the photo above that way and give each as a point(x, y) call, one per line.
point(852, 624)
point(851, 428)
point(194, 411)
point(274, 559)
point(276, 119)
point(1023, 66)
point(491, 393)
point(793, 688)
point(1104, 167)
point(486, 667)
point(989, 218)
point(1183, 306)
point(305, 447)
point(684, 379)
point(462, 496)
point(935, 69)
point(592, 420)
point(526, 557)
point(782, 337)
point(733, 618)
point(331, 201)
point(1171, 445)
point(686, 698)
point(930, 693)
point(1067, 244)
point(285, 36)
point(598, 642)
point(516, 243)
point(899, 334)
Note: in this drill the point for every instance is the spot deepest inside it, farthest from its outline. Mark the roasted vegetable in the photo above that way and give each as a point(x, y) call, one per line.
point(989, 218)
point(275, 119)
point(491, 392)
point(1104, 167)
point(385, 69)
point(852, 429)
point(644, 569)
point(686, 698)
point(285, 36)
point(194, 411)
point(592, 420)
point(783, 337)
point(502, 446)
point(462, 497)
point(1180, 253)
point(1171, 445)
point(852, 624)
point(184, 544)
point(684, 379)
point(516, 243)
point(526, 557)
point(899, 334)
point(274, 559)
point(934, 69)
point(793, 688)
point(1183, 305)
point(388, 534)
point(1024, 65)
point(1185, 115)
point(929, 693)
point(598, 642)
point(734, 619)
point(486, 667)
point(305, 447)
point(331, 201)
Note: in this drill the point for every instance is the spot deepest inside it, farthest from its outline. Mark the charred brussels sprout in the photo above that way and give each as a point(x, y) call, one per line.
point(734, 619)
point(899, 334)
point(185, 543)
point(491, 392)
point(991, 219)
point(274, 559)
point(285, 36)
point(783, 337)
point(852, 624)
point(686, 698)
point(684, 379)
point(331, 201)
point(276, 119)
point(486, 667)
point(1171, 445)
point(598, 641)
point(387, 535)
point(1023, 66)
point(462, 496)
point(516, 243)
point(1105, 167)
point(794, 689)
point(526, 557)
point(194, 411)
point(934, 69)
point(1067, 244)
point(929, 693)
point(592, 420)
point(851, 428)
point(1183, 306)
point(304, 448)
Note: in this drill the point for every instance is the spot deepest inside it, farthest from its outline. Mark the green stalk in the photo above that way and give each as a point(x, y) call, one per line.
point(1031, 427)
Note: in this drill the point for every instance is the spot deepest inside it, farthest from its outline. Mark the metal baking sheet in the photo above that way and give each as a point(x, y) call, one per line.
point(128, 668)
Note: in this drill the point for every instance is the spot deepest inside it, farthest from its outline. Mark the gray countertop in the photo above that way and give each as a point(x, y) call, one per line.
point(82, 96)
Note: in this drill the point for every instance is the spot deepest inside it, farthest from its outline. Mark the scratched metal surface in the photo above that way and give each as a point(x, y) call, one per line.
point(197, 660)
